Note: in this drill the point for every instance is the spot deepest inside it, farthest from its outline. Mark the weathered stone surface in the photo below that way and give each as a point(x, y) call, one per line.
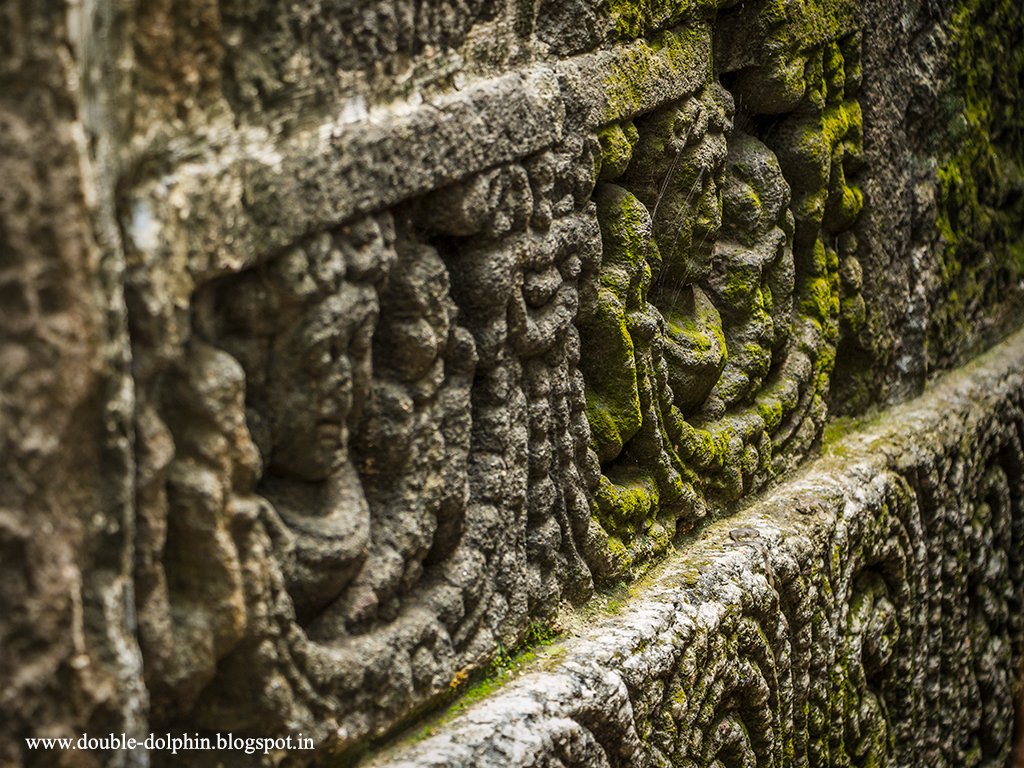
point(343, 344)
point(68, 656)
point(923, 131)
point(865, 613)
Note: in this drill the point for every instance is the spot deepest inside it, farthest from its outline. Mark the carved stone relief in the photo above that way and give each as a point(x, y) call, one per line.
point(408, 381)
point(715, 322)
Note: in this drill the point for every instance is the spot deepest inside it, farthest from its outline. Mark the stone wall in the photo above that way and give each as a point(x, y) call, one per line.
point(346, 346)
point(867, 612)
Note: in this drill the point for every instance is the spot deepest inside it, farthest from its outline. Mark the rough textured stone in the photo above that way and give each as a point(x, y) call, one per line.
point(70, 661)
point(866, 613)
point(343, 344)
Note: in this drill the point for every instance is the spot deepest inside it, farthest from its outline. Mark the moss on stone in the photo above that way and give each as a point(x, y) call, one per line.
point(671, 53)
point(980, 180)
point(617, 141)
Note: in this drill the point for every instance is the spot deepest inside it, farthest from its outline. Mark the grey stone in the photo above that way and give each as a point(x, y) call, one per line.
point(347, 348)
point(815, 627)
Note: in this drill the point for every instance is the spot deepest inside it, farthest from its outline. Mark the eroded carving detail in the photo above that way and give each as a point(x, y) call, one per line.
point(717, 311)
point(415, 419)
point(831, 636)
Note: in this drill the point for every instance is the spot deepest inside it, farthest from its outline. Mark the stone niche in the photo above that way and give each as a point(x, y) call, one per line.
point(419, 322)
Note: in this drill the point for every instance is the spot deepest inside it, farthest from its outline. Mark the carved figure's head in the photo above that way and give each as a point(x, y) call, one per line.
point(677, 171)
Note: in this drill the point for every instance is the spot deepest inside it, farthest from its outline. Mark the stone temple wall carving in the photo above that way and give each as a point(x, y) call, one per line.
point(817, 627)
point(392, 331)
point(439, 420)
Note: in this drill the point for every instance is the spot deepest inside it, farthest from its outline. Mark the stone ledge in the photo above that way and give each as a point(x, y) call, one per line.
point(257, 192)
point(234, 195)
point(837, 614)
